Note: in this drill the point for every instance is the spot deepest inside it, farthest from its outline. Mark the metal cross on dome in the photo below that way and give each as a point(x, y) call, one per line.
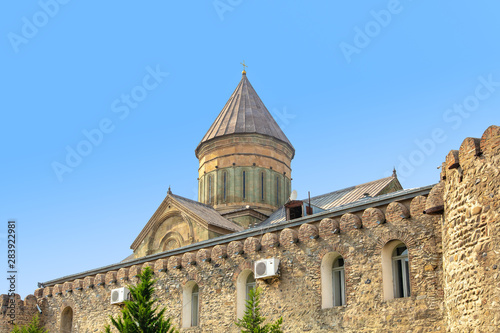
point(243, 63)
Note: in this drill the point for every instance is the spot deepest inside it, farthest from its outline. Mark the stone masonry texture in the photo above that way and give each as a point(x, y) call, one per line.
point(453, 263)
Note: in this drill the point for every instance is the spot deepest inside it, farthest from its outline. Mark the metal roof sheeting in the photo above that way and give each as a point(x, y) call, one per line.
point(350, 194)
point(338, 198)
point(245, 112)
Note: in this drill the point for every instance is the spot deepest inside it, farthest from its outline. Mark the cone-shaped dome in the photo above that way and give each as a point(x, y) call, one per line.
point(244, 112)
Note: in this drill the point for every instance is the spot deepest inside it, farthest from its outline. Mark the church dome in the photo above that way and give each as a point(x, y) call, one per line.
point(244, 160)
point(243, 113)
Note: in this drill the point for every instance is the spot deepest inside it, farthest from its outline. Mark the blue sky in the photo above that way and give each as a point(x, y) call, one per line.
point(358, 88)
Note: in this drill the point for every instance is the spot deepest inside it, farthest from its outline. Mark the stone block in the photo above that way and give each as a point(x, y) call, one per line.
point(188, 259)
point(110, 278)
point(270, 240)
point(122, 275)
point(308, 232)
point(349, 222)
point(203, 255)
point(235, 248)
point(396, 212)
point(161, 265)
point(288, 237)
point(434, 203)
point(174, 262)
point(372, 217)
point(328, 227)
point(219, 252)
point(251, 245)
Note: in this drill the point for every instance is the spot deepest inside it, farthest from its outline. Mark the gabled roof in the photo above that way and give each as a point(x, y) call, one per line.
point(201, 212)
point(207, 213)
point(244, 112)
point(342, 197)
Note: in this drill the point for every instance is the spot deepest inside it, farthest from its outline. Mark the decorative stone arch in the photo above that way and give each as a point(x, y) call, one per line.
point(387, 266)
point(397, 235)
point(66, 323)
point(189, 222)
point(162, 220)
point(188, 308)
point(171, 237)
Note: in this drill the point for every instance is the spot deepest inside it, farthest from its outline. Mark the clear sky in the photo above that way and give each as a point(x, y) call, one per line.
point(103, 104)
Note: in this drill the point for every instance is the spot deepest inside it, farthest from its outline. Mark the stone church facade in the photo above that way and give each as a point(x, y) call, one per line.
point(370, 258)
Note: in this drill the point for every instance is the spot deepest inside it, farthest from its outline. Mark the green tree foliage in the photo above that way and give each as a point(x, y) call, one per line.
point(252, 320)
point(140, 315)
point(33, 327)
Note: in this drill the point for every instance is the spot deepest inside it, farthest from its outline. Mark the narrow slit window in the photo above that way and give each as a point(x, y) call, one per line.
point(224, 186)
point(244, 185)
point(262, 186)
point(210, 189)
point(277, 191)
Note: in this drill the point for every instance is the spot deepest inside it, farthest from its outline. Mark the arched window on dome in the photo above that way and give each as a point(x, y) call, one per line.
point(244, 185)
point(277, 190)
point(224, 176)
point(210, 189)
point(262, 182)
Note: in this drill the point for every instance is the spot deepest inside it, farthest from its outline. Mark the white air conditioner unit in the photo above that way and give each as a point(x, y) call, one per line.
point(119, 295)
point(266, 268)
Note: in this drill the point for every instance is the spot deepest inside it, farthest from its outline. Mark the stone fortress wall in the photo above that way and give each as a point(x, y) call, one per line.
point(453, 256)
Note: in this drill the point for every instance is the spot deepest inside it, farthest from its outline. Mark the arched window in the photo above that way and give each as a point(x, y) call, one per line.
point(262, 186)
point(210, 189)
point(338, 282)
point(67, 320)
point(225, 184)
point(287, 194)
point(401, 271)
point(194, 306)
point(170, 244)
point(244, 283)
point(190, 305)
point(250, 284)
point(244, 184)
point(395, 270)
point(201, 193)
point(277, 190)
point(332, 280)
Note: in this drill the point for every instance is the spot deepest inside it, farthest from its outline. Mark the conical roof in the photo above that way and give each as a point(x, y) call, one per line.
point(244, 112)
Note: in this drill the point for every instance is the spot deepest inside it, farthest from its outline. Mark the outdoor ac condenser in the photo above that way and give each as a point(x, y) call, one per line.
point(266, 268)
point(119, 295)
